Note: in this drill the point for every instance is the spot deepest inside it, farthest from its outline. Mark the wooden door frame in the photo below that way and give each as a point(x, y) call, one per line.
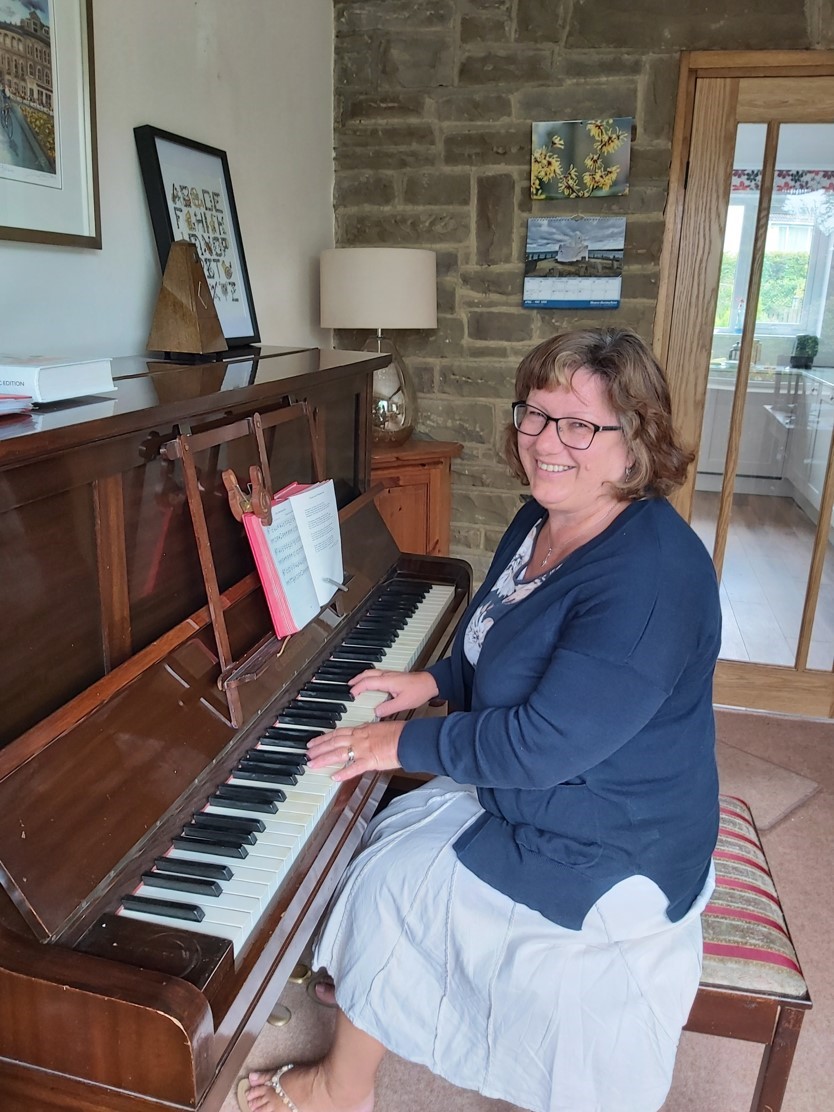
point(737, 684)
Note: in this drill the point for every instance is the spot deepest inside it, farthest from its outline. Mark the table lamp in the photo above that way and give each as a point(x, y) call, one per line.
point(382, 288)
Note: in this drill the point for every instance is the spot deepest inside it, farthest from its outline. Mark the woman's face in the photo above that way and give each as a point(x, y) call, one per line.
point(570, 480)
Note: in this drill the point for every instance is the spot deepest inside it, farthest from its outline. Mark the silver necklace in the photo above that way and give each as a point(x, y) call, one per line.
point(547, 557)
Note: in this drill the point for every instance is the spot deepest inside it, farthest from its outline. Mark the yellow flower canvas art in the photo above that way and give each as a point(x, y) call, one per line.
point(580, 158)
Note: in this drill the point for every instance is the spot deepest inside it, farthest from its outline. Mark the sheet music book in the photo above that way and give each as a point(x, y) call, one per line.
point(298, 556)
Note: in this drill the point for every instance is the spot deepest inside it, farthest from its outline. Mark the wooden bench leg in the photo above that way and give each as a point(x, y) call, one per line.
point(776, 1061)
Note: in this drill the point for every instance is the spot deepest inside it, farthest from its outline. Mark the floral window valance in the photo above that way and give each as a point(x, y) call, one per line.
point(786, 181)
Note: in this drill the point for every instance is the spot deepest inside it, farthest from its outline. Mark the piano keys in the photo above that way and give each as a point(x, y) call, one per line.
point(135, 768)
point(272, 828)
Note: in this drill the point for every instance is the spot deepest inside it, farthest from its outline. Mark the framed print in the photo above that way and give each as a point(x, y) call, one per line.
point(190, 197)
point(48, 162)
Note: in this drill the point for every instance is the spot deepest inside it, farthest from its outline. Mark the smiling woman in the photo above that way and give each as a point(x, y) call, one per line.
point(527, 924)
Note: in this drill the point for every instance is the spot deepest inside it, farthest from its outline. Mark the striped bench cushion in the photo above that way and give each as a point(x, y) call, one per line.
point(746, 942)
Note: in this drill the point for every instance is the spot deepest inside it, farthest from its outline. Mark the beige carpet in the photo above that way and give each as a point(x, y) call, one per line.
point(772, 764)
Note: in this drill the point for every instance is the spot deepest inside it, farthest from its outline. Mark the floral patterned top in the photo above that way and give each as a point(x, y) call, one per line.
point(510, 587)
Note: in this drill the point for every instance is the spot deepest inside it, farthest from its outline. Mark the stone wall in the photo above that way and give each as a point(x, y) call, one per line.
point(433, 105)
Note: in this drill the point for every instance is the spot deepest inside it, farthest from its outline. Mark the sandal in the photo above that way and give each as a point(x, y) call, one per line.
point(243, 1088)
point(326, 981)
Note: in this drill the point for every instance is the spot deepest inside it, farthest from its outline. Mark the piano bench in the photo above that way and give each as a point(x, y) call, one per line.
point(751, 987)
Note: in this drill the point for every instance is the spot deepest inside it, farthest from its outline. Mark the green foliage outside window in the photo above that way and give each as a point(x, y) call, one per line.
point(784, 275)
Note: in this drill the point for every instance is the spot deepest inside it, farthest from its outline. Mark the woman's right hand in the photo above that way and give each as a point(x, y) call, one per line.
point(405, 690)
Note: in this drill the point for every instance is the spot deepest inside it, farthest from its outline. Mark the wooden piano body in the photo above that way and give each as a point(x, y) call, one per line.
point(119, 717)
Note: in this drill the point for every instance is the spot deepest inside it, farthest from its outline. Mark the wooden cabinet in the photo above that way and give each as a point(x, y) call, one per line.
point(416, 501)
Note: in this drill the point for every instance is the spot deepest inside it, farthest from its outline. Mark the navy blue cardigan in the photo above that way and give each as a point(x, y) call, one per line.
point(588, 727)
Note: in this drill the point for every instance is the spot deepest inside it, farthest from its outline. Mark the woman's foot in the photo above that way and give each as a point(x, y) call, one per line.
point(302, 1089)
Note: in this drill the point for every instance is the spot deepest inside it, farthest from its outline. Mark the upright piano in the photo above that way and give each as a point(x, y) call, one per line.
point(164, 855)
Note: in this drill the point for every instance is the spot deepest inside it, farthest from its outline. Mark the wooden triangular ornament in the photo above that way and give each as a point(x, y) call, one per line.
point(185, 319)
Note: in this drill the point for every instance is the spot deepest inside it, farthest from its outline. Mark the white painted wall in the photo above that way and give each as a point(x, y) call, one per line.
point(252, 77)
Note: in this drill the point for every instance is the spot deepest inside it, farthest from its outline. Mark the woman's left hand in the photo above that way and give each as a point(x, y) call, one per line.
point(371, 747)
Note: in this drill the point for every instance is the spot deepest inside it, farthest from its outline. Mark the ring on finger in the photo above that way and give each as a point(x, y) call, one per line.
point(351, 756)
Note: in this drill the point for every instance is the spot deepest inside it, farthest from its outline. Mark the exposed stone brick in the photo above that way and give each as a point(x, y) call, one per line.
point(656, 112)
point(418, 61)
point(383, 159)
point(403, 106)
point(491, 281)
point(459, 106)
point(386, 136)
point(541, 20)
point(449, 419)
point(508, 66)
point(447, 297)
point(364, 188)
point(589, 99)
point(445, 342)
point(594, 63)
point(650, 163)
point(484, 507)
point(822, 25)
point(393, 15)
point(499, 325)
point(707, 25)
point(467, 537)
point(475, 379)
point(404, 229)
point(440, 187)
point(639, 284)
point(485, 28)
point(476, 350)
point(356, 65)
point(644, 239)
point(503, 146)
point(494, 218)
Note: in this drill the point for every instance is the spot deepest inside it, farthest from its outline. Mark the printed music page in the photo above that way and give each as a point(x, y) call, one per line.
point(287, 551)
point(317, 518)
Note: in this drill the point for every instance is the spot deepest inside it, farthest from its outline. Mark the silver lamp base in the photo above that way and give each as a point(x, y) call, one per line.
point(394, 408)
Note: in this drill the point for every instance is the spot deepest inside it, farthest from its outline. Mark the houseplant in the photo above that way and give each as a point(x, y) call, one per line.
point(805, 348)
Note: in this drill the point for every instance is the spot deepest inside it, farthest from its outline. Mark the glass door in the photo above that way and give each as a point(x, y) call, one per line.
point(754, 290)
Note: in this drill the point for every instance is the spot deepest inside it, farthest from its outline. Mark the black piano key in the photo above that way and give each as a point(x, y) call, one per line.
point(301, 716)
point(250, 795)
point(181, 865)
point(207, 832)
point(327, 706)
point(170, 910)
point(343, 669)
point(318, 689)
point(196, 885)
point(194, 845)
point(265, 774)
point(373, 640)
point(235, 824)
point(239, 805)
point(273, 762)
point(362, 654)
point(289, 762)
point(371, 622)
point(295, 739)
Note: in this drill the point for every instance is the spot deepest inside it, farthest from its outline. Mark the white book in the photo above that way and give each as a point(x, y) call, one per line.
point(299, 555)
point(51, 379)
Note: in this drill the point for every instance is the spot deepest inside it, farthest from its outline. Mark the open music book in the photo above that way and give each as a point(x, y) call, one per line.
point(298, 556)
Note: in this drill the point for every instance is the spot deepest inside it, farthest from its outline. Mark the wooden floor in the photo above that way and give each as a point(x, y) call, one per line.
point(765, 577)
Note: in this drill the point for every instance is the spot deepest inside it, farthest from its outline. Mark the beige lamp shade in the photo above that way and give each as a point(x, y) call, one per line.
point(378, 288)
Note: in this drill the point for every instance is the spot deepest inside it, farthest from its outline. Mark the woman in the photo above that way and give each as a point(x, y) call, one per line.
point(527, 925)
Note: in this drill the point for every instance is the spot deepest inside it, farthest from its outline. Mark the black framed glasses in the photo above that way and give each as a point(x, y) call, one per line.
point(571, 431)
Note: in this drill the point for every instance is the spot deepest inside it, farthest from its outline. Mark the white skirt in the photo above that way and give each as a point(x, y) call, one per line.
point(447, 972)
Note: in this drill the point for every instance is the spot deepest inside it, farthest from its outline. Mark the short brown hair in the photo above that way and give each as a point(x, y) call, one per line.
point(636, 388)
